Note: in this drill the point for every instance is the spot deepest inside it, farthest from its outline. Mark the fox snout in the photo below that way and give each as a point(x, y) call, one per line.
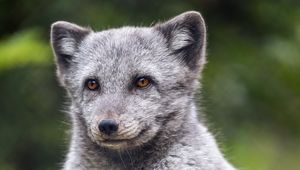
point(108, 126)
point(107, 123)
point(117, 131)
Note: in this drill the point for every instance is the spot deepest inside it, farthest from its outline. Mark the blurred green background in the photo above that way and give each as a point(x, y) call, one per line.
point(251, 91)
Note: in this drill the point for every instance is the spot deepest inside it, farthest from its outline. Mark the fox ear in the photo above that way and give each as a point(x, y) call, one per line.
point(186, 37)
point(65, 40)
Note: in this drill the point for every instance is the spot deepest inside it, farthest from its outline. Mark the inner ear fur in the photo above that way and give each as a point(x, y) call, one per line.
point(185, 35)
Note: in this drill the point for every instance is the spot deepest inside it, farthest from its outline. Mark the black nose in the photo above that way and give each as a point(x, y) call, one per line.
point(108, 126)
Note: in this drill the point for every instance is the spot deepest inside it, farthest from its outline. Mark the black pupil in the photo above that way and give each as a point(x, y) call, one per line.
point(92, 84)
point(142, 82)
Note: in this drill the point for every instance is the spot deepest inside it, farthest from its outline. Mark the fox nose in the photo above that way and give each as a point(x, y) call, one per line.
point(108, 126)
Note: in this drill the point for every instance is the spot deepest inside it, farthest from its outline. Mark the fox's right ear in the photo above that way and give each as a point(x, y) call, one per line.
point(65, 40)
point(186, 38)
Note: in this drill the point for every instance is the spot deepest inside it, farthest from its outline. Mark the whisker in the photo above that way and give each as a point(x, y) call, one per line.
point(131, 161)
point(119, 152)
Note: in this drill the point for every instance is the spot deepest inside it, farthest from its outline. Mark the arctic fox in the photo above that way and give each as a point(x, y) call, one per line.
point(132, 96)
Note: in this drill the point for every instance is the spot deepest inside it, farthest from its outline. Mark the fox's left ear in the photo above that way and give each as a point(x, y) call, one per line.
point(65, 40)
point(186, 37)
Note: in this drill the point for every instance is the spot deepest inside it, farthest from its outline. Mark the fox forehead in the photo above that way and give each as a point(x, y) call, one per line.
point(129, 42)
point(124, 52)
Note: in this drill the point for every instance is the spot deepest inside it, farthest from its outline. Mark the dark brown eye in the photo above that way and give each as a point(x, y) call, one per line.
point(142, 82)
point(92, 84)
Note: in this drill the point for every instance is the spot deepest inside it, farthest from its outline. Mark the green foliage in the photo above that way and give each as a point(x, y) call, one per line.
point(23, 48)
point(257, 148)
point(31, 128)
point(251, 86)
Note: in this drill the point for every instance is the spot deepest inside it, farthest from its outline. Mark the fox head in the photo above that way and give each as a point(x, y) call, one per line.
point(129, 84)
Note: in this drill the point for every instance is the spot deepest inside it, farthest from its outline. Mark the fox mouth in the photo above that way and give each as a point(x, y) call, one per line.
point(117, 143)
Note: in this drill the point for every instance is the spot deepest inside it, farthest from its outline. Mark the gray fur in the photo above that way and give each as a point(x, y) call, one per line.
point(158, 125)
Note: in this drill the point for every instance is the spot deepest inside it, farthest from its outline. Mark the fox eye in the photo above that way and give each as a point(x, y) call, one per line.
point(142, 82)
point(92, 84)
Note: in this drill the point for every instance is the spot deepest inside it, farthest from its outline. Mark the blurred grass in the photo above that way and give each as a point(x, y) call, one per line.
point(255, 148)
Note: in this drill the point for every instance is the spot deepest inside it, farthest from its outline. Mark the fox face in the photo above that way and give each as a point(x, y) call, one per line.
point(128, 85)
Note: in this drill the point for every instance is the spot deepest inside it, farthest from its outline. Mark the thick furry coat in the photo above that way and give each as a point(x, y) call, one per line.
point(143, 79)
